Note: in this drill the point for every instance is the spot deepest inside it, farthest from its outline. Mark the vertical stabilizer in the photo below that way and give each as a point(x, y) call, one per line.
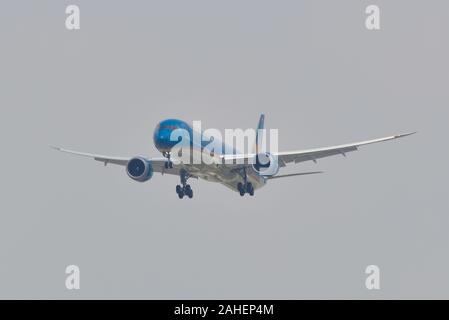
point(259, 134)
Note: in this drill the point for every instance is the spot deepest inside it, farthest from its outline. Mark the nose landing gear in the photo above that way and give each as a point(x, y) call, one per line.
point(168, 164)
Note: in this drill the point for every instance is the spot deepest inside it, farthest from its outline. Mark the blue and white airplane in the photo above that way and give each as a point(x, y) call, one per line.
point(238, 171)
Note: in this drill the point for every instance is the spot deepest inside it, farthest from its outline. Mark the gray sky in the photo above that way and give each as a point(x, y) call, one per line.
point(320, 77)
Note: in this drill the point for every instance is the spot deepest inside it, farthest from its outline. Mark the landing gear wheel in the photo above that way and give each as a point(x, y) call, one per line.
point(241, 189)
point(188, 191)
point(168, 164)
point(180, 191)
point(245, 188)
point(250, 188)
point(184, 189)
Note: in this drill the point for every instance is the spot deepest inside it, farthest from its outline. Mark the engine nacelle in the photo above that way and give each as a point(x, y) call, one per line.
point(265, 164)
point(139, 169)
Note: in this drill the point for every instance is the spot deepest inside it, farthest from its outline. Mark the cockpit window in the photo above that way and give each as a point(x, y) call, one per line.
point(170, 127)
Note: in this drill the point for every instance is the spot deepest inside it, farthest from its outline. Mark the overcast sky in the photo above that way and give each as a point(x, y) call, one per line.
point(319, 76)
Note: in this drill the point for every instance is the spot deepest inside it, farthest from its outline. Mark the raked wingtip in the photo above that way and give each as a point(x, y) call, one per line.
point(405, 134)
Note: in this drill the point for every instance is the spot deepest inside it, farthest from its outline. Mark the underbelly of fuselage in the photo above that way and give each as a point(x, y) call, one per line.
point(215, 171)
point(227, 176)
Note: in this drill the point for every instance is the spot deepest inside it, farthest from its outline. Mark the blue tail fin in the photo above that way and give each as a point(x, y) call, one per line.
point(259, 134)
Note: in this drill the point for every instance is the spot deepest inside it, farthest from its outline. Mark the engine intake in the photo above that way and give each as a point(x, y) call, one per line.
point(266, 164)
point(139, 169)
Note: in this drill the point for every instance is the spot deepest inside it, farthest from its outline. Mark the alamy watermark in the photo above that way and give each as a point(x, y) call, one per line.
point(372, 282)
point(72, 281)
point(72, 21)
point(258, 147)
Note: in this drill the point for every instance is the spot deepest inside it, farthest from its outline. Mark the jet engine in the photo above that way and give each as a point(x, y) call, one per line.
point(265, 164)
point(139, 169)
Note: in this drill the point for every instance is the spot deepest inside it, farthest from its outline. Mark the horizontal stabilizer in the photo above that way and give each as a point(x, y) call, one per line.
point(294, 174)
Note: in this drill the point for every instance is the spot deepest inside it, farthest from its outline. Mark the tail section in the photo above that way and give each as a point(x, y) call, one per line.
point(260, 133)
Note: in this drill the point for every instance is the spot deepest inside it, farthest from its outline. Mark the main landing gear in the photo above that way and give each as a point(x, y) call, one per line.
point(245, 187)
point(184, 189)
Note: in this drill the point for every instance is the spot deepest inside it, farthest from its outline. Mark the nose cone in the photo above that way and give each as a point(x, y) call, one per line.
point(164, 132)
point(162, 140)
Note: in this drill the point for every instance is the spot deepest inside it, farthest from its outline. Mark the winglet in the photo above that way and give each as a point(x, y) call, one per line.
point(405, 134)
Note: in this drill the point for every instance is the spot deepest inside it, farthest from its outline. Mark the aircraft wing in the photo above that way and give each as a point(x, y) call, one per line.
point(308, 155)
point(314, 154)
point(157, 163)
point(238, 161)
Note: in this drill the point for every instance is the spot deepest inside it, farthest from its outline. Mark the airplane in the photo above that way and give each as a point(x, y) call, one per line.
point(240, 172)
